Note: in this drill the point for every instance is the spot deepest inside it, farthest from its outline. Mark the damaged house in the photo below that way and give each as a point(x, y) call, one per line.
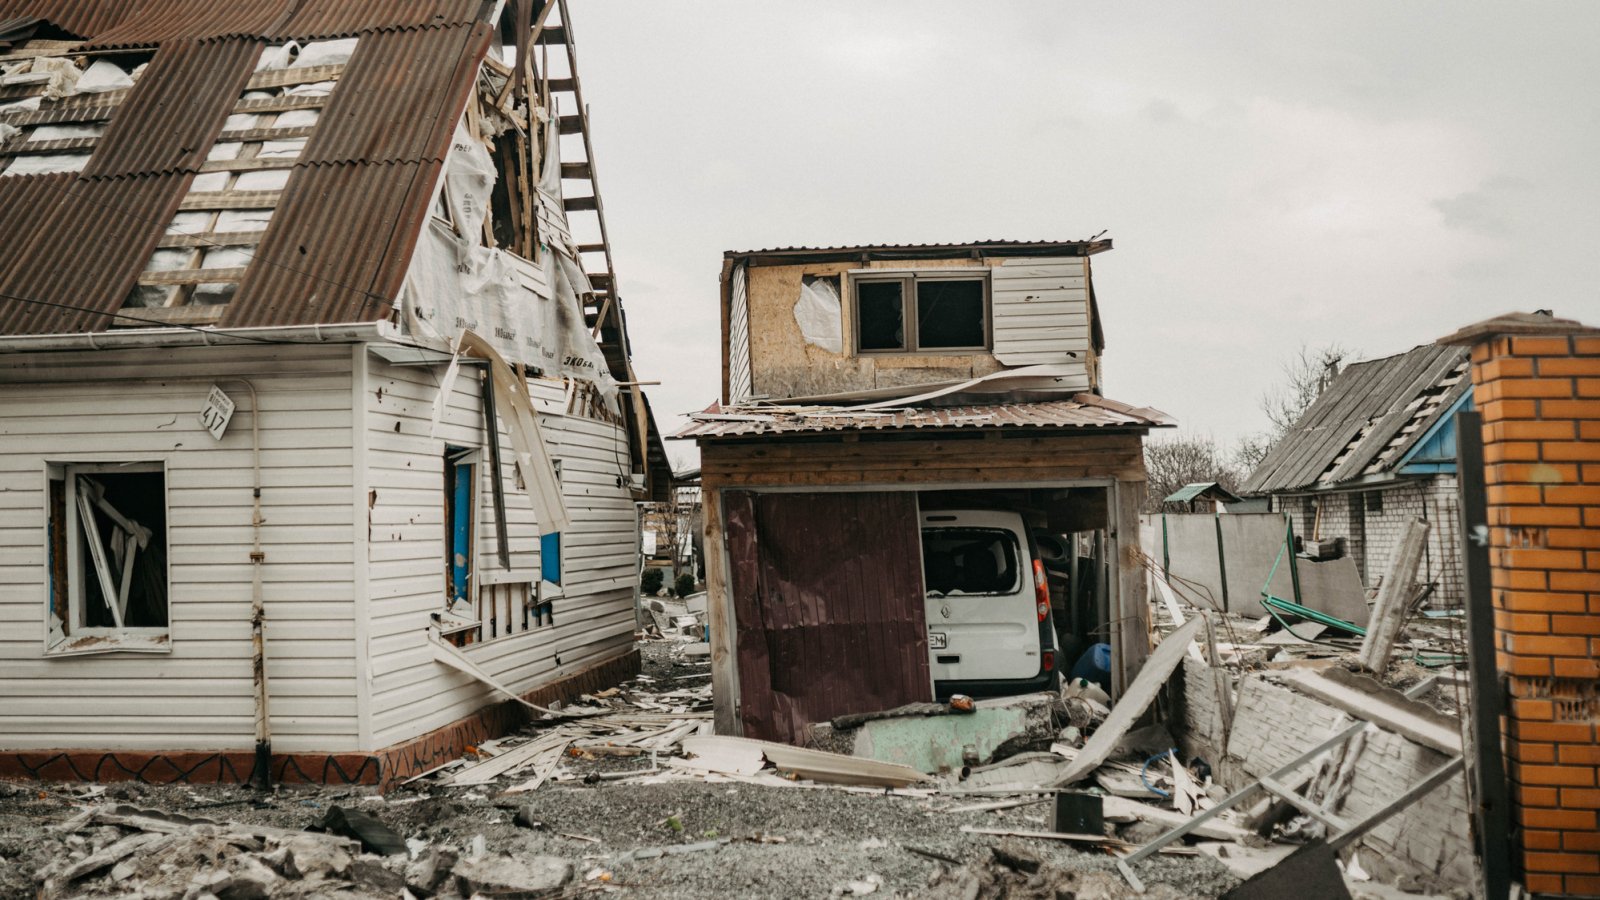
point(1376, 449)
point(912, 484)
point(318, 430)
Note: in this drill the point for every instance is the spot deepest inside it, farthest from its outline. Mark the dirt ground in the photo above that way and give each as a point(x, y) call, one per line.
point(776, 841)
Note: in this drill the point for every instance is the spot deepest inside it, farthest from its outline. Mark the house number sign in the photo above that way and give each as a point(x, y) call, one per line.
point(217, 412)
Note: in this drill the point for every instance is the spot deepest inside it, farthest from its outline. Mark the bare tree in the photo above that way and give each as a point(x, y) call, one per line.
point(1174, 462)
point(1306, 374)
point(1249, 450)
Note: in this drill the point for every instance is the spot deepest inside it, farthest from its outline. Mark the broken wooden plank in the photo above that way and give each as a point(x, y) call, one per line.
point(1133, 702)
point(273, 78)
point(194, 276)
point(212, 239)
point(265, 134)
point(230, 200)
point(1370, 701)
point(1394, 597)
point(515, 758)
point(254, 164)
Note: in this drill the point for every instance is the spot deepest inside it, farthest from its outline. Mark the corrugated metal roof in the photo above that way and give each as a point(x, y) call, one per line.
point(343, 18)
point(84, 18)
point(782, 255)
point(400, 96)
point(338, 246)
point(1364, 421)
point(176, 109)
point(1082, 411)
point(145, 23)
point(78, 243)
point(158, 21)
point(345, 225)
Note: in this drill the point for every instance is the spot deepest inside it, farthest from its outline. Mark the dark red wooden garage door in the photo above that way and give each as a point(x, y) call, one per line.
point(827, 591)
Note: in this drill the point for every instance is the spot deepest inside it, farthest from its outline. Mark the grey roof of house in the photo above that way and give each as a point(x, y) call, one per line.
point(1364, 422)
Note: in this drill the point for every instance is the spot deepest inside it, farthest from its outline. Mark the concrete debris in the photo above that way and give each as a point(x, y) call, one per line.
point(514, 878)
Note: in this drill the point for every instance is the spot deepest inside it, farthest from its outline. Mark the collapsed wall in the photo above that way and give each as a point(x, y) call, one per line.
point(1426, 844)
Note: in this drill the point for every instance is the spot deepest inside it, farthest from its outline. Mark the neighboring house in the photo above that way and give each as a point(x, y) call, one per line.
point(1375, 450)
point(1200, 497)
point(864, 384)
point(238, 245)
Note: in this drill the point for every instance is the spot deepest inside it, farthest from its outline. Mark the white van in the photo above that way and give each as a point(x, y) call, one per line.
point(988, 604)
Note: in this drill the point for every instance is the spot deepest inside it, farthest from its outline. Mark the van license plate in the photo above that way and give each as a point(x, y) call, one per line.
point(936, 640)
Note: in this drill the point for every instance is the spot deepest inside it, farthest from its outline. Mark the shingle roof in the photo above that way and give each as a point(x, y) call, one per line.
point(1082, 411)
point(343, 227)
point(1364, 421)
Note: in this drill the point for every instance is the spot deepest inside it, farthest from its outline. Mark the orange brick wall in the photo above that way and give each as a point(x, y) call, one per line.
point(1540, 399)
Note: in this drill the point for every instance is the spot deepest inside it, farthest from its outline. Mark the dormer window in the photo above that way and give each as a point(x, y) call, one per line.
point(932, 312)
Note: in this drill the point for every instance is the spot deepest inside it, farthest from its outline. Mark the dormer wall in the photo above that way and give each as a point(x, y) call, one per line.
point(815, 328)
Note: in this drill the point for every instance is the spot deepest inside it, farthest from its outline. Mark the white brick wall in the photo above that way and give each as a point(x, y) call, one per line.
point(1433, 500)
point(1272, 725)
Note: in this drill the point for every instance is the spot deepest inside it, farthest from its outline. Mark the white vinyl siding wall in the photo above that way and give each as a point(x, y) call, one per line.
point(594, 619)
point(739, 371)
point(1041, 313)
point(89, 407)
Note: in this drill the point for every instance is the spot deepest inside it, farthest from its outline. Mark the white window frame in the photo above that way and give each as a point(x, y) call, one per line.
point(81, 639)
point(909, 278)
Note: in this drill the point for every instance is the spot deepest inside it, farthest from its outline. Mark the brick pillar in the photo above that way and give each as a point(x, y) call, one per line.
point(1540, 398)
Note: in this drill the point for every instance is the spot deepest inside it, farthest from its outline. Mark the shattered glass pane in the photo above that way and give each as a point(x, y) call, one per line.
point(950, 313)
point(880, 315)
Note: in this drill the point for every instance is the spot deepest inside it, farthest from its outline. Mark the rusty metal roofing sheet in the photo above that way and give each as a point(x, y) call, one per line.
point(338, 247)
point(177, 108)
point(1354, 420)
point(829, 604)
point(786, 255)
point(84, 18)
point(73, 248)
point(158, 21)
point(342, 18)
point(400, 96)
point(1082, 411)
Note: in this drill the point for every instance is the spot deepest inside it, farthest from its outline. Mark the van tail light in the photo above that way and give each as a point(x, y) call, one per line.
point(1049, 661)
point(1041, 589)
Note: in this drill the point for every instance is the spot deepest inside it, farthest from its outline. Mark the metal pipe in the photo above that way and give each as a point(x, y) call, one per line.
point(261, 776)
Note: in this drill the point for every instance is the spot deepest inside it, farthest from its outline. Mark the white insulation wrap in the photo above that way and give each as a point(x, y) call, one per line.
point(817, 312)
point(532, 315)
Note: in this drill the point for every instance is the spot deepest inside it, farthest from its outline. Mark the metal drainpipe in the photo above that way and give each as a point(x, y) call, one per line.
point(261, 776)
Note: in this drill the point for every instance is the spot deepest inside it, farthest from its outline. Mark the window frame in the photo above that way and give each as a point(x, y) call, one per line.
point(105, 639)
point(909, 308)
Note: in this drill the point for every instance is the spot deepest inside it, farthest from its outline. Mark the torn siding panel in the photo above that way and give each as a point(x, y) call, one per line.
point(594, 617)
point(820, 640)
point(1041, 313)
point(74, 406)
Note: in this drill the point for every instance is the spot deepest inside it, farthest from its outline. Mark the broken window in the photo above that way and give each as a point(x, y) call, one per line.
point(948, 312)
point(107, 557)
point(970, 560)
point(460, 508)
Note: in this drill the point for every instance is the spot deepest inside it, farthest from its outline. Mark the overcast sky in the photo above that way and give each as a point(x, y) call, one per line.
point(1373, 174)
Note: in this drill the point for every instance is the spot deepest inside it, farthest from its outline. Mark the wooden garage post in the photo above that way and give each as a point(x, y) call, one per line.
point(1130, 614)
point(719, 614)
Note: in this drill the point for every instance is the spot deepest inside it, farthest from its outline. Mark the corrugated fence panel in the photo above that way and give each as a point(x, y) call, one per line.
point(175, 111)
point(1023, 290)
point(829, 607)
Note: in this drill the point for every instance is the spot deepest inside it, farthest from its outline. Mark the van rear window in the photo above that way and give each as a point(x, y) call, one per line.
point(970, 561)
